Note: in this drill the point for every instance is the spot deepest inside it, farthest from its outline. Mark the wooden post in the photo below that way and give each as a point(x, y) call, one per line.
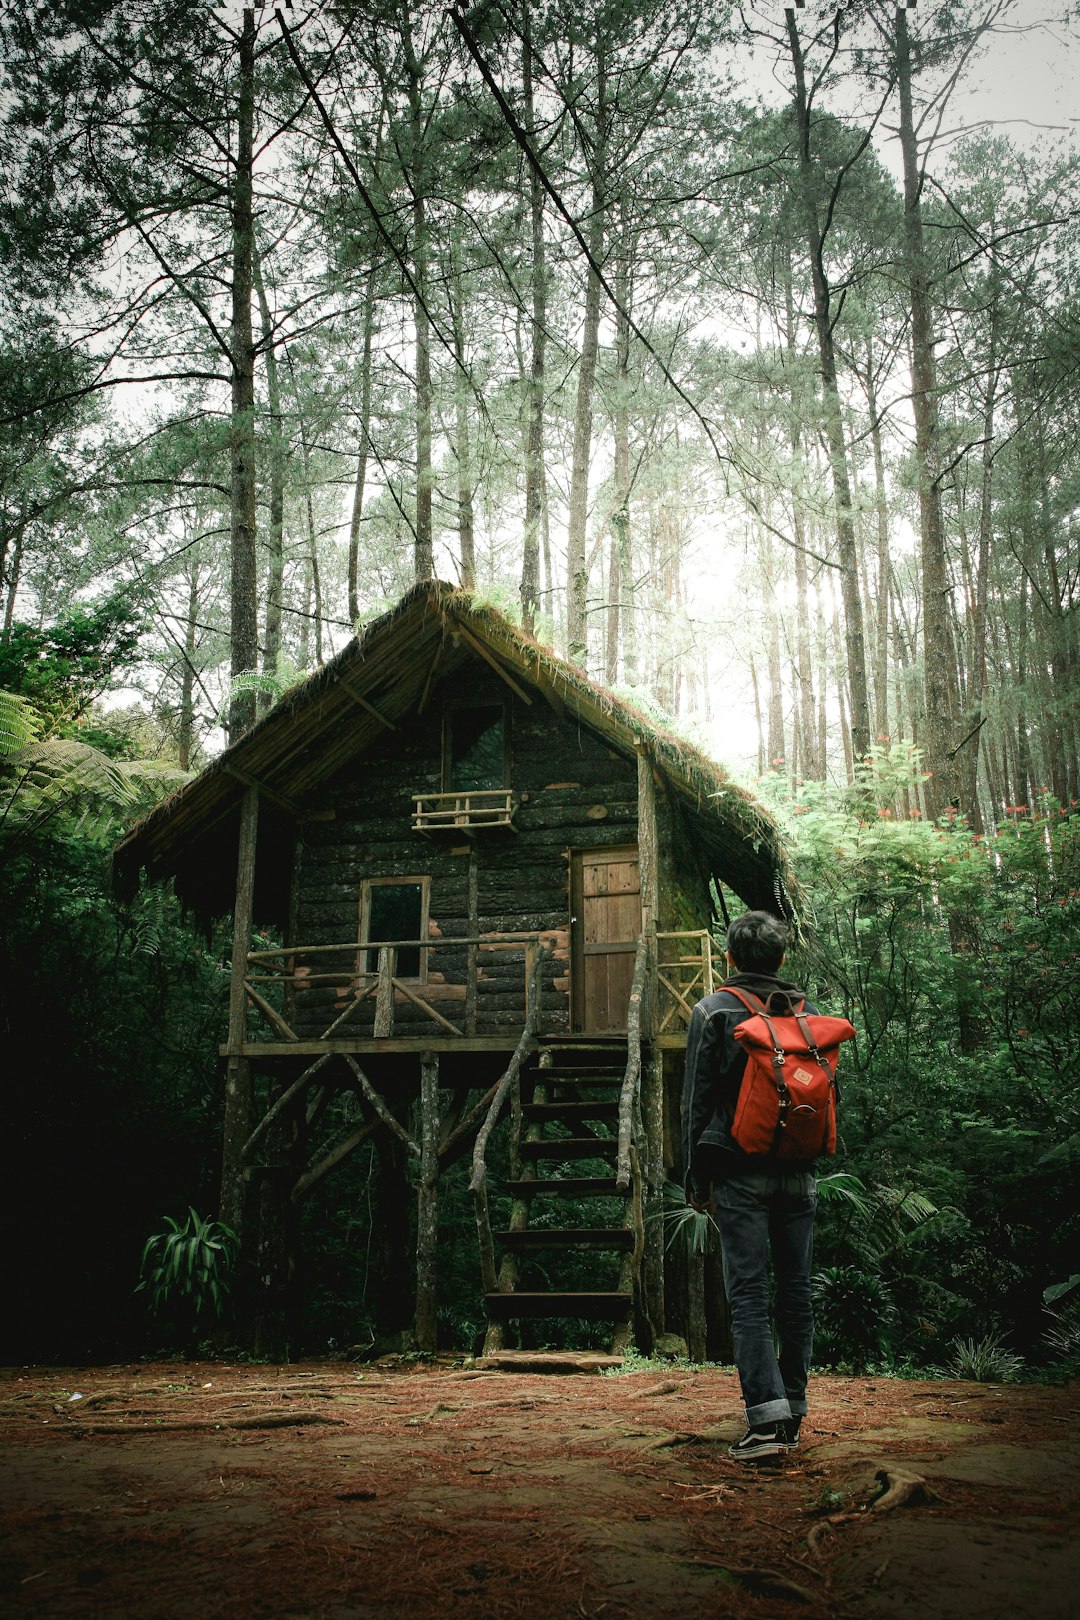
point(384, 996)
point(427, 1210)
point(530, 964)
point(648, 867)
point(395, 1299)
point(647, 839)
point(473, 961)
point(238, 1068)
point(695, 1320)
point(652, 1109)
point(275, 1261)
point(650, 1082)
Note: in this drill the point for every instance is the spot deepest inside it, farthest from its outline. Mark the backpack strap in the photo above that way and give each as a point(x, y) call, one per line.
point(752, 1003)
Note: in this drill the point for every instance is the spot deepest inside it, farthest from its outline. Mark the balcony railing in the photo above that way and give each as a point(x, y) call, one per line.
point(684, 973)
point(465, 811)
point(286, 975)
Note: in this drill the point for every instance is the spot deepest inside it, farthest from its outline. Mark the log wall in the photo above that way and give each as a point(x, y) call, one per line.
point(574, 792)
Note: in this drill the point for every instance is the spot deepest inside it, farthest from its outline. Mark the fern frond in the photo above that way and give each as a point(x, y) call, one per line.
point(20, 723)
point(252, 682)
point(62, 776)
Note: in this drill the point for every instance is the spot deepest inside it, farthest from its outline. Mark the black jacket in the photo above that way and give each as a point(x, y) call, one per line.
point(715, 1063)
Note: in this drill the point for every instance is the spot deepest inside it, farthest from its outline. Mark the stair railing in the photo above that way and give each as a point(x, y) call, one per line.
point(478, 1181)
point(630, 1095)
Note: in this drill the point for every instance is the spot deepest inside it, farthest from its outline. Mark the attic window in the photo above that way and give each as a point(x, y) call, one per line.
point(395, 909)
point(475, 755)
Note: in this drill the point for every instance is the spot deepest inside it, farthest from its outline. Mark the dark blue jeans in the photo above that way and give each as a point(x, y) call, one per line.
point(756, 1214)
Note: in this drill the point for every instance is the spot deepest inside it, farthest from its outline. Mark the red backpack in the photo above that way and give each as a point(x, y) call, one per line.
point(787, 1101)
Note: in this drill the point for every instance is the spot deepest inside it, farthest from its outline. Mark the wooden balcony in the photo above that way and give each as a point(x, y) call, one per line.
point(467, 811)
point(470, 992)
point(360, 986)
point(684, 973)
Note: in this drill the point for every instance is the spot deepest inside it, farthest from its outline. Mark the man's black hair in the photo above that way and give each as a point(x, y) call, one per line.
point(756, 942)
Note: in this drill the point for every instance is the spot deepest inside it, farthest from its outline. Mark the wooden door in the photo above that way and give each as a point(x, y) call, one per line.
point(605, 928)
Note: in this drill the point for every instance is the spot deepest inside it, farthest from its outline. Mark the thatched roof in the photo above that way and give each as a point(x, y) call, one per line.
point(380, 680)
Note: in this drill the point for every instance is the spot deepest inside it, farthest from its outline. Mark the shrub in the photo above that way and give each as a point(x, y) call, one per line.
point(186, 1271)
point(986, 1361)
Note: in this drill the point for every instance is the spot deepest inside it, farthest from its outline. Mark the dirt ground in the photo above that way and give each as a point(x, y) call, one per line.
point(334, 1490)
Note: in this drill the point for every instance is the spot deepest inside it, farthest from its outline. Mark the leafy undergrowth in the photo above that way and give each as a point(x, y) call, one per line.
point(338, 1491)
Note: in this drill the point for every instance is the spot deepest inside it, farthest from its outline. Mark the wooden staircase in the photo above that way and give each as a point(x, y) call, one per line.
point(564, 1148)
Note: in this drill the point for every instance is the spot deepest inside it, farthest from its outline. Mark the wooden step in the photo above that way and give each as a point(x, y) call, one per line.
point(571, 1045)
point(570, 1187)
point(571, 1147)
point(592, 1307)
point(601, 1108)
point(571, 1237)
point(596, 1071)
point(588, 1082)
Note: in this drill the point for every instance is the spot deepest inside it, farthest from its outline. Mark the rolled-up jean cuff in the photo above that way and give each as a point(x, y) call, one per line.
point(767, 1412)
point(798, 1408)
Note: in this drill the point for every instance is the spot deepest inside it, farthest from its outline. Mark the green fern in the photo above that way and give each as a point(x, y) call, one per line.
point(252, 683)
point(67, 779)
point(20, 723)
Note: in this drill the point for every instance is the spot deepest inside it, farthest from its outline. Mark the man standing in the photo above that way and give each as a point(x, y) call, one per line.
point(760, 1203)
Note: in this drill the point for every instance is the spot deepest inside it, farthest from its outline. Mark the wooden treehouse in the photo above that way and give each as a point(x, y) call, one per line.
point(485, 889)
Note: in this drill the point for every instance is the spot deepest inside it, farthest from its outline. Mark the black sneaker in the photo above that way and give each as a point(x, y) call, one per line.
point(756, 1444)
point(788, 1429)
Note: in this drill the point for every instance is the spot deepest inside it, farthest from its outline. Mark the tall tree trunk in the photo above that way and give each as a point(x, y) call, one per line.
point(466, 538)
point(1062, 652)
point(243, 621)
point(275, 531)
point(845, 727)
point(576, 565)
point(939, 663)
point(1025, 775)
point(185, 736)
point(762, 751)
point(978, 679)
point(776, 743)
point(611, 640)
point(534, 413)
point(423, 552)
point(13, 574)
point(313, 551)
point(854, 641)
point(620, 605)
point(884, 570)
point(363, 449)
point(812, 765)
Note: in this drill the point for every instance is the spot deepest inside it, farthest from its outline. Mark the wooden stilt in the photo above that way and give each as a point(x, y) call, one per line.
point(652, 1109)
point(427, 1204)
point(238, 1069)
point(391, 1250)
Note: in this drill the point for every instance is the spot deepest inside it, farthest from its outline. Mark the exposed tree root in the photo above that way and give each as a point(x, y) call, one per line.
point(271, 1420)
